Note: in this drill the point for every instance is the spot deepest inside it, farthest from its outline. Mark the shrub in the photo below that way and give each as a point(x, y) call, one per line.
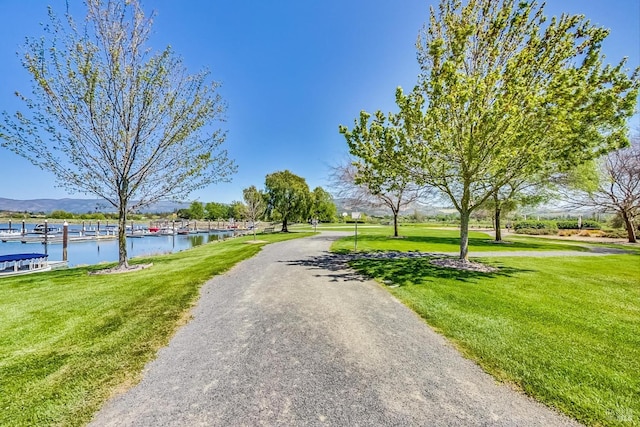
point(536, 225)
point(573, 225)
point(615, 234)
point(591, 224)
point(536, 231)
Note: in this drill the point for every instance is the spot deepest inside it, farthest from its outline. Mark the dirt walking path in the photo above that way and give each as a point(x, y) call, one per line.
point(290, 338)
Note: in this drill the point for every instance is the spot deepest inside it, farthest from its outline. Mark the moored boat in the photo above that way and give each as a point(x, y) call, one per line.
point(9, 232)
point(17, 264)
point(40, 229)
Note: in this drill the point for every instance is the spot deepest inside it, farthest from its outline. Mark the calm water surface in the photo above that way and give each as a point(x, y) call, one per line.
point(97, 251)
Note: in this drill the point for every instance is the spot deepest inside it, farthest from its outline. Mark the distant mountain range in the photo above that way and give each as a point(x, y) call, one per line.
point(78, 206)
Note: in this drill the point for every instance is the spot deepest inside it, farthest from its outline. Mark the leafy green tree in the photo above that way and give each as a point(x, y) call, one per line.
point(128, 125)
point(255, 205)
point(60, 214)
point(288, 197)
point(516, 193)
point(377, 147)
point(183, 213)
point(237, 210)
point(502, 94)
point(196, 210)
point(214, 210)
point(322, 206)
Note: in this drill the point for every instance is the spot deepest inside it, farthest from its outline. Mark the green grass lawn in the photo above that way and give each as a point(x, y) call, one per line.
point(630, 247)
point(428, 239)
point(68, 340)
point(566, 330)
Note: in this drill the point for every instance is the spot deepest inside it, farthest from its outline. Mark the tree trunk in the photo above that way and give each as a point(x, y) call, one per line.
point(284, 225)
point(497, 225)
point(122, 236)
point(631, 231)
point(464, 235)
point(395, 224)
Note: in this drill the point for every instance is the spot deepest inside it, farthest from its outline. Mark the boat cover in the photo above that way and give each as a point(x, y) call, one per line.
point(21, 257)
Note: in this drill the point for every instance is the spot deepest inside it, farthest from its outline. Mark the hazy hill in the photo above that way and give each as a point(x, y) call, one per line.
point(343, 205)
point(77, 205)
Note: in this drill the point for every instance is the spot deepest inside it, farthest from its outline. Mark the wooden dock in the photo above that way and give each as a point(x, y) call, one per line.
point(56, 238)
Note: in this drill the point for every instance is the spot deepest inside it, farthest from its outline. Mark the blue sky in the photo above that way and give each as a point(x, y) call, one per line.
point(291, 72)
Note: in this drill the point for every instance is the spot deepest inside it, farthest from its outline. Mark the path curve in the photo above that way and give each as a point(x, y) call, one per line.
point(287, 339)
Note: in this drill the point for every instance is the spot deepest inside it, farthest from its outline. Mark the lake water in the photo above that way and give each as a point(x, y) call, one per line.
point(97, 251)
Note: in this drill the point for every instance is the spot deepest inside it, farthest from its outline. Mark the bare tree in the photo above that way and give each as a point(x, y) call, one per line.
point(125, 124)
point(255, 205)
point(393, 193)
point(616, 187)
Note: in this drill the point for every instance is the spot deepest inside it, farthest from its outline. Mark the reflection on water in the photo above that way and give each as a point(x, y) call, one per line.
point(97, 251)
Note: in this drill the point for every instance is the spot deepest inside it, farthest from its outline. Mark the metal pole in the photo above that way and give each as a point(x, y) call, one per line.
point(46, 232)
point(24, 229)
point(356, 240)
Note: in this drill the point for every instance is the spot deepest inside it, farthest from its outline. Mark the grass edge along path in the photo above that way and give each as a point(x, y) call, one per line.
point(565, 330)
point(70, 340)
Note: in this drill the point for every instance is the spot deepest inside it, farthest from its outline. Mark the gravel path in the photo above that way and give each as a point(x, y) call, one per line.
point(290, 337)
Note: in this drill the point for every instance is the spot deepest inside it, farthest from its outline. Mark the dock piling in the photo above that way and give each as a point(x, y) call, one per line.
point(65, 240)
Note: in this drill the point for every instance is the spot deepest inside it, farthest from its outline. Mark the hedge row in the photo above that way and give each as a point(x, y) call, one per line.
point(536, 225)
point(555, 225)
point(573, 225)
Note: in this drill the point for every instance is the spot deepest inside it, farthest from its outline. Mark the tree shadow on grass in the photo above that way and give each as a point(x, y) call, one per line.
point(392, 268)
point(477, 243)
point(409, 271)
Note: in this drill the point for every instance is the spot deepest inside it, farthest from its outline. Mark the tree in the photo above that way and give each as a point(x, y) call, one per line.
point(183, 213)
point(322, 206)
point(60, 214)
point(362, 185)
point(518, 192)
point(125, 124)
point(504, 94)
point(237, 210)
point(288, 197)
point(614, 186)
point(215, 210)
point(255, 205)
point(378, 149)
point(196, 210)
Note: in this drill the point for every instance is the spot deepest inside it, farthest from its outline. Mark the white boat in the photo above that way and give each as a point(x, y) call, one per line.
point(40, 229)
point(18, 264)
point(10, 232)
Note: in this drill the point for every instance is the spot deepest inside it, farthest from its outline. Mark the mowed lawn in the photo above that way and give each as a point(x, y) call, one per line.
point(565, 330)
point(426, 239)
point(69, 340)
